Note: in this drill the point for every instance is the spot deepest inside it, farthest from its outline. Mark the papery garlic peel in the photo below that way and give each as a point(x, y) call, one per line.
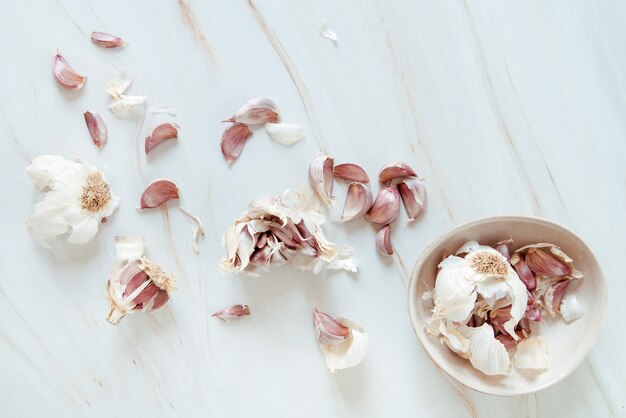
point(321, 178)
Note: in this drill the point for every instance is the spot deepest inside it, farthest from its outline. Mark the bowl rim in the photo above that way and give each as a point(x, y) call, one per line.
point(413, 306)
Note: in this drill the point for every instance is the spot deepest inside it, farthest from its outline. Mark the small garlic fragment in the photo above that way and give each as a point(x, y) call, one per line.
point(122, 103)
point(97, 129)
point(64, 75)
point(386, 207)
point(160, 133)
point(532, 353)
point(395, 170)
point(383, 241)
point(107, 41)
point(232, 313)
point(286, 133)
point(358, 201)
point(414, 196)
point(233, 140)
point(158, 192)
point(197, 229)
point(170, 110)
point(351, 172)
point(321, 178)
point(325, 31)
point(256, 111)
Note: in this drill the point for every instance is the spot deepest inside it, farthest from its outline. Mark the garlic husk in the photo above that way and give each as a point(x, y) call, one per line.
point(232, 313)
point(122, 103)
point(136, 283)
point(486, 353)
point(197, 228)
point(351, 172)
point(358, 201)
point(386, 207)
point(383, 241)
point(277, 230)
point(106, 40)
point(547, 266)
point(395, 170)
point(256, 111)
point(159, 134)
point(64, 75)
point(344, 352)
point(571, 309)
point(170, 110)
point(414, 197)
point(158, 192)
point(321, 178)
point(75, 199)
point(286, 133)
point(233, 140)
point(325, 32)
point(97, 129)
point(328, 330)
point(532, 353)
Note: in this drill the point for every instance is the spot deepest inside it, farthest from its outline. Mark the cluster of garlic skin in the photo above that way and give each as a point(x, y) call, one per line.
point(485, 300)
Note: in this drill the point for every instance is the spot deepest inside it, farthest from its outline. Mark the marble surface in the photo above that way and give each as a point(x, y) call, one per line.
point(504, 107)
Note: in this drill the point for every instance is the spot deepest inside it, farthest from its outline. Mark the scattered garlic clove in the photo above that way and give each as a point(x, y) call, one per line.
point(414, 197)
point(285, 133)
point(503, 248)
point(351, 172)
point(543, 264)
point(256, 111)
point(328, 330)
point(321, 178)
point(97, 129)
point(159, 134)
point(197, 229)
point(158, 192)
point(325, 32)
point(106, 41)
point(396, 170)
point(383, 241)
point(358, 201)
point(64, 75)
point(386, 207)
point(524, 273)
point(555, 252)
point(233, 312)
point(532, 353)
point(233, 140)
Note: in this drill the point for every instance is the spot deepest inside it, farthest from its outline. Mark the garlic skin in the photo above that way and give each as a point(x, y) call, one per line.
point(532, 353)
point(383, 241)
point(122, 103)
point(395, 170)
point(197, 229)
point(343, 342)
point(64, 75)
point(257, 111)
point(76, 199)
point(158, 192)
point(359, 200)
point(233, 140)
point(351, 172)
point(486, 353)
point(414, 197)
point(136, 283)
point(232, 313)
point(571, 309)
point(325, 32)
point(285, 133)
point(97, 129)
point(159, 134)
point(386, 207)
point(321, 178)
point(107, 41)
point(277, 230)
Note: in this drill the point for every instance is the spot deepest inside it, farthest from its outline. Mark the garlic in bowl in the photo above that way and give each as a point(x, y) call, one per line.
point(557, 342)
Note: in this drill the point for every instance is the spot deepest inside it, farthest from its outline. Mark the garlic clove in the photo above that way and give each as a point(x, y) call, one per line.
point(571, 309)
point(285, 133)
point(351, 172)
point(454, 296)
point(358, 201)
point(383, 241)
point(197, 229)
point(344, 343)
point(524, 273)
point(97, 129)
point(503, 248)
point(386, 207)
point(321, 178)
point(532, 353)
point(64, 75)
point(158, 192)
point(325, 32)
point(414, 197)
point(328, 330)
point(233, 312)
point(106, 41)
point(555, 252)
point(256, 111)
point(543, 264)
point(396, 170)
point(159, 134)
point(558, 293)
point(233, 140)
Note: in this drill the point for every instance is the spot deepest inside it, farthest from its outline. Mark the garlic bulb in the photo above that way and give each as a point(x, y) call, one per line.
point(136, 283)
point(76, 199)
point(277, 230)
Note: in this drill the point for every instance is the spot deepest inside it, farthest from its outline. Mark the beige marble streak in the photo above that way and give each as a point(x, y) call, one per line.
point(190, 21)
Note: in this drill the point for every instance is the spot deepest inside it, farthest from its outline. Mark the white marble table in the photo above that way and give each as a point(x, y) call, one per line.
point(504, 107)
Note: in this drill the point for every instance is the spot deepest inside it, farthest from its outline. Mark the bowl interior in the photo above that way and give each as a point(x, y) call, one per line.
point(568, 343)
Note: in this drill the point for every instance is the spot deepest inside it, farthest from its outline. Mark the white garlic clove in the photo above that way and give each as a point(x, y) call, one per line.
point(386, 207)
point(158, 192)
point(256, 111)
point(160, 134)
point(555, 252)
point(197, 229)
point(285, 133)
point(383, 241)
point(233, 140)
point(97, 129)
point(414, 197)
point(532, 353)
point(321, 178)
point(358, 201)
point(232, 313)
point(106, 40)
point(395, 170)
point(454, 295)
point(343, 351)
point(351, 172)
point(64, 75)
